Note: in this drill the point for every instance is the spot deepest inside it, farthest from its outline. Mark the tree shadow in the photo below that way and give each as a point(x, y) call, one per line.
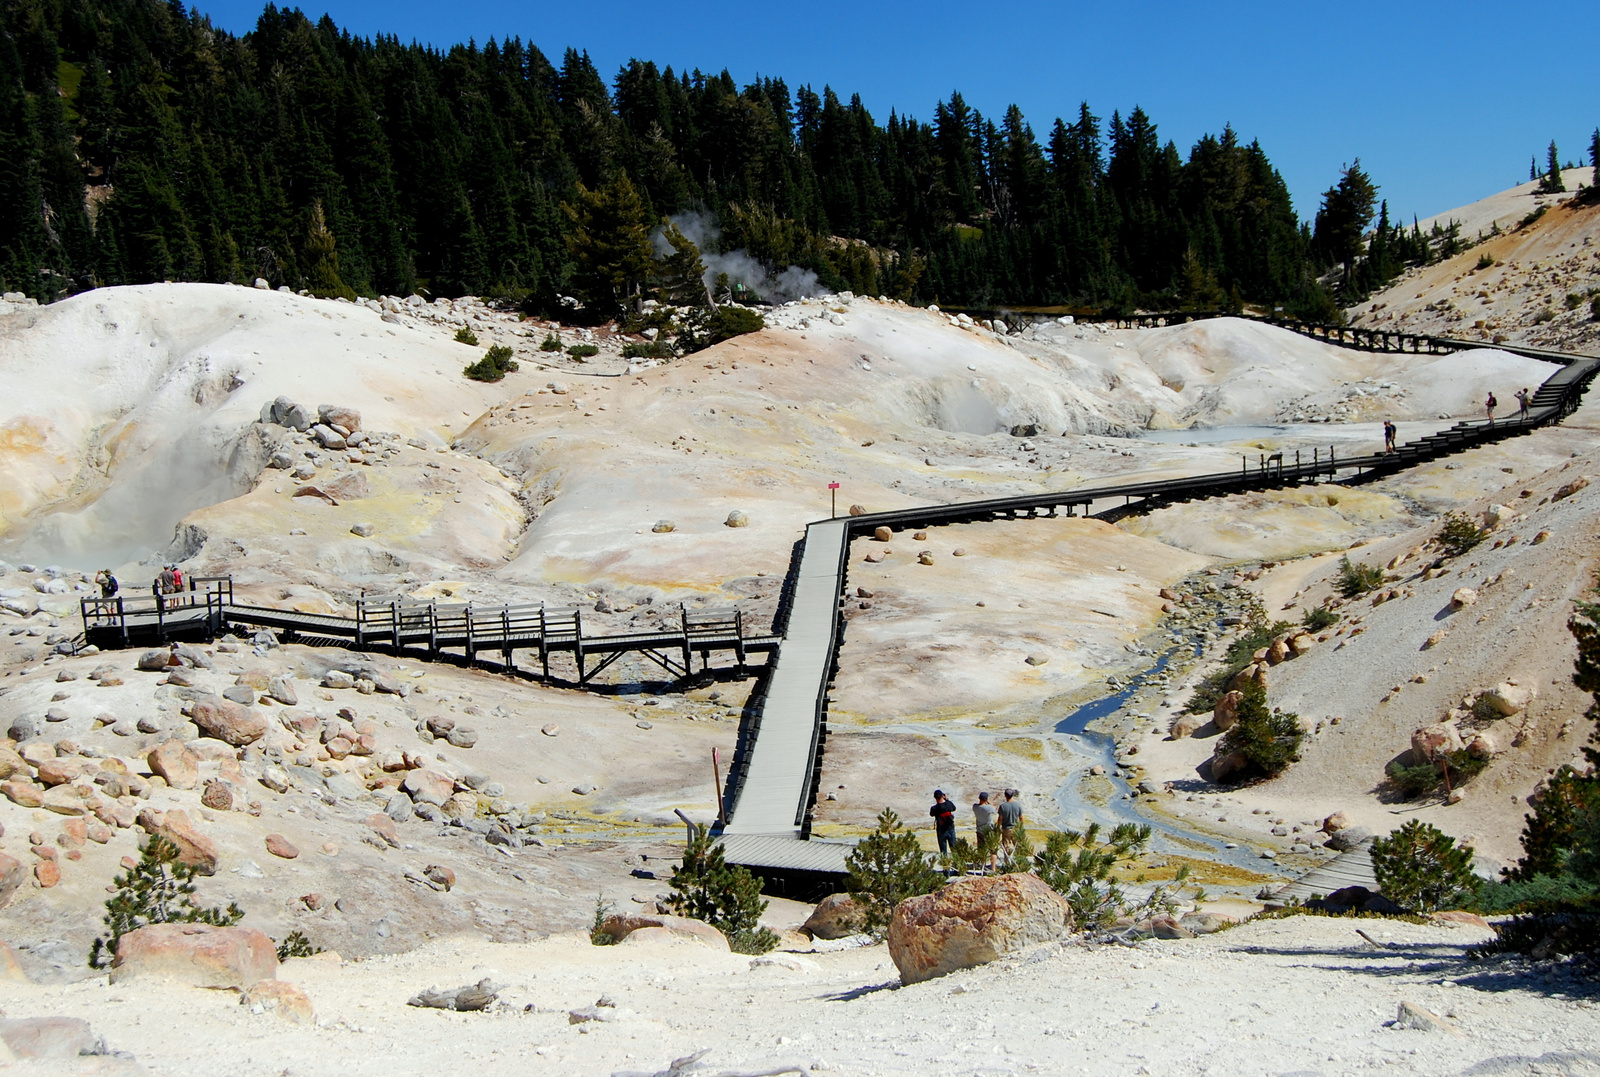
point(1450, 961)
point(862, 991)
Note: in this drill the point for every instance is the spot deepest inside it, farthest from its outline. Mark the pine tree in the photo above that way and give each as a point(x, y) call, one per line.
point(1552, 182)
point(1420, 867)
point(681, 274)
point(157, 890)
point(705, 887)
point(1346, 211)
point(322, 259)
point(886, 867)
point(609, 245)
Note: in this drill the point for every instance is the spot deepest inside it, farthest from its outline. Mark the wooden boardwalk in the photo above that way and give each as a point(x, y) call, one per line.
point(772, 786)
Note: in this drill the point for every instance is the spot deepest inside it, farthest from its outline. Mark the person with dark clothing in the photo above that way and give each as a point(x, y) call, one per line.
point(1389, 435)
point(108, 583)
point(1522, 403)
point(1010, 819)
point(1489, 405)
point(944, 820)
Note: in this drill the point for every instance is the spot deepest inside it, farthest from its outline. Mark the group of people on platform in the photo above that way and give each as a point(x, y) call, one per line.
point(1391, 433)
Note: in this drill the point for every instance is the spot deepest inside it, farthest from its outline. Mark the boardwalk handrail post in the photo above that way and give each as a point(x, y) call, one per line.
point(122, 620)
point(471, 650)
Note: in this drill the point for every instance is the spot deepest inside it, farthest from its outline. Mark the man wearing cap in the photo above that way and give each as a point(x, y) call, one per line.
point(1010, 819)
point(944, 820)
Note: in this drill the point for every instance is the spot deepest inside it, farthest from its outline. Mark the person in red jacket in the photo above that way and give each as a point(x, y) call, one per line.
point(944, 820)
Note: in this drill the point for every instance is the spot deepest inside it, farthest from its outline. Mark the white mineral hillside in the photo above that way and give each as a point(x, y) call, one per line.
point(1530, 280)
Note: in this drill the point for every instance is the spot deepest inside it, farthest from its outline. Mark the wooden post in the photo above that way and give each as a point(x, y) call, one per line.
point(716, 775)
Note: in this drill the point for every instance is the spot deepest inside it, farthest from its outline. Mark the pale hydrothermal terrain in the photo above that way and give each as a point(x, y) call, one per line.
point(130, 435)
point(1534, 283)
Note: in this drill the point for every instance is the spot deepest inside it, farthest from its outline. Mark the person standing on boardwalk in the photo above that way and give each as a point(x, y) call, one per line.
point(1010, 819)
point(1489, 405)
point(1522, 403)
point(944, 820)
point(1389, 435)
point(983, 814)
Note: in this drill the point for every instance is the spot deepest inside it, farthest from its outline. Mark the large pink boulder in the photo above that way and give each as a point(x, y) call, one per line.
point(973, 921)
point(194, 848)
point(1433, 742)
point(197, 954)
point(228, 721)
point(175, 764)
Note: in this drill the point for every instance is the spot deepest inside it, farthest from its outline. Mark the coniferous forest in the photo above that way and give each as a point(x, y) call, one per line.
point(139, 144)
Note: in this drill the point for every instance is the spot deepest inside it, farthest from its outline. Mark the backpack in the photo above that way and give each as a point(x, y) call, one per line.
point(111, 585)
point(1493, 403)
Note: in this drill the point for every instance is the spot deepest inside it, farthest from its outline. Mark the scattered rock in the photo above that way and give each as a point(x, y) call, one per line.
point(1509, 698)
point(1337, 822)
point(440, 876)
point(280, 846)
point(1412, 1016)
point(1347, 838)
point(12, 874)
point(363, 530)
point(194, 848)
point(478, 996)
point(428, 787)
point(281, 999)
point(48, 1037)
point(1037, 659)
point(1567, 490)
point(197, 954)
point(48, 873)
point(835, 917)
point(736, 518)
point(217, 796)
point(1464, 597)
point(973, 921)
point(622, 926)
point(229, 721)
point(1433, 742)
point(1226, 714)
point(662, 527)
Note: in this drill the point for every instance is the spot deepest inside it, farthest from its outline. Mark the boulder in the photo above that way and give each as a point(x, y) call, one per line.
point(1483, 746)
point(1337, 822)
point(973, 921)
point(1347, 838)
point(156, 661)
point(1566, 491)
point(12, 875)
point(351, 486)
point(1508, 698)
point(1463, 597)
point(228, 721)
point(1187, 725)
point(217, 796)
point(69, 799)
point(835, 917)
point(194, 848)
point(48, 1037)
point(428, 787)
point(10, 968)
point(62, 770)
point(339, 415)
point(1433, 742)
point(1278, 652)
point(23, 793)
point(197, 954)
point(1355, 899)
point(737, 518)
point(1302, 644)
point(621, 926)
point(327, 436)
point(281, 999)
point(883, 534)
point(1226, 713)
point(12, 764)
point(1226, 764)
point(281, 690)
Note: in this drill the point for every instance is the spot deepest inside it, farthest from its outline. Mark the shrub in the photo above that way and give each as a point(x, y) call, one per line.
point(157, 890)
point(465, 335)
point(1268, 740)
point(1594, 309)
point(647, 349)
point(583, 351)
point(295, 944)
point(1357, 579)
point(706, 887)
point(1531, 217)
point(495, 365)
point(1485, 261)
point(1079, 867)
point(1573, 301)
point(885, 868)
point(1459, 534)
point(1455, 768)
point(704, 328)
point(1318, 619)
point(1545, 315)
point(1419, 866)
point(602, 909)
point(1258, 633)
point(1526, 895)
point(551, 343)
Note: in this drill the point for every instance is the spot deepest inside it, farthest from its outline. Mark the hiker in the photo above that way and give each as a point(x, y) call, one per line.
point(177, 578)
point(944, 820)
point(1522, 403)
point(1389, 435)
point(107, 582)
point(1010, 819)
point(1489, 405)
point(983, 814)
point(164, 581)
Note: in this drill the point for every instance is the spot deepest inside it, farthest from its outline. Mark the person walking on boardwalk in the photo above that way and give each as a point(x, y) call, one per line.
point(108, 583)
point(1522, 403)
point(1010, 819)
point(983, 814)
point(944, 820)
point(1389, 435)
point(1489, 405)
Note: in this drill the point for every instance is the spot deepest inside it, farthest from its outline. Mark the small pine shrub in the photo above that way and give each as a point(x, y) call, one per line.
point(1545, 315)
point(1268, 740)
point(647, 349)
point(1527, 895)
point(1418, 779)
point(494, 366)
point(465, 335)
point(597, 934)
point(1459, 534)
point(1258, 633)
point(1420, 867)
point(1318, 619)
point(1573, 301)
point(1485, 261)
point(583, 351)
point(157, 890)
point(706, 887)
point(295, 944)
point(885, 868)
point(1079, 866)
point(1357, 579)
point(551, 343)
point(1594, 309)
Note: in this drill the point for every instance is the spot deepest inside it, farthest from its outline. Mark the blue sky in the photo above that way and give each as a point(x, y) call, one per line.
point(1443, 102)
